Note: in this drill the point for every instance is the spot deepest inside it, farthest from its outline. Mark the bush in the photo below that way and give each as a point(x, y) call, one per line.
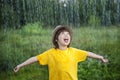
point(94, 21)
point(32, 29)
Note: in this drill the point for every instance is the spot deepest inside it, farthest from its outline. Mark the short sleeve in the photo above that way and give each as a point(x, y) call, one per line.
point(43, 58)
point(81, 55)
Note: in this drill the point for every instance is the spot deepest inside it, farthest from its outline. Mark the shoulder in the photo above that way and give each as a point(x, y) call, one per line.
point(76, 50)
point(50, 50)
point(47, 52)
point(73, 49)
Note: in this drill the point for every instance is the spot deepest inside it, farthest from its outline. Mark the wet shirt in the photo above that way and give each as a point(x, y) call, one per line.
point(62, 64)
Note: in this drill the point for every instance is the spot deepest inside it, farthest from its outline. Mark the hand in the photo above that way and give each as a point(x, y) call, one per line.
point(16, 69)
point(104, 60)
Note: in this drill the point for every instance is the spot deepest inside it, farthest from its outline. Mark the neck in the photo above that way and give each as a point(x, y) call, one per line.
point(62, 48)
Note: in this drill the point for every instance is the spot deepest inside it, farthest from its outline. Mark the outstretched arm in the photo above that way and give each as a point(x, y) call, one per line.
point(27, 62)
point(93, 55)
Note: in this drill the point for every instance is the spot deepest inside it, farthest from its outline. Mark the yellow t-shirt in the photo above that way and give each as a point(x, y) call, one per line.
point(62, 64)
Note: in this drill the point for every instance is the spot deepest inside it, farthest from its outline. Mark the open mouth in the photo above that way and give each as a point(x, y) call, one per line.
point(66, 40)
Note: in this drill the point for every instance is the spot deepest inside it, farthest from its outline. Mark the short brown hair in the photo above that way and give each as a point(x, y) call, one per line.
point(56, 33)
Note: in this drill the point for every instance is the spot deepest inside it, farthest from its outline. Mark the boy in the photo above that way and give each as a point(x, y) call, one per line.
point(62, 60)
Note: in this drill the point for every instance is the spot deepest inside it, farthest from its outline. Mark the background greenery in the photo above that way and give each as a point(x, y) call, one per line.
point(26, 30)
point(20, 44)
point(16, 13)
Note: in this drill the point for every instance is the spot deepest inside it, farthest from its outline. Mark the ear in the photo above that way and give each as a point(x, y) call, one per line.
point(56, 40)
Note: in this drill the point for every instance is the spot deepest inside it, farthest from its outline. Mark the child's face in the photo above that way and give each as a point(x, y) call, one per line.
point(64, 38)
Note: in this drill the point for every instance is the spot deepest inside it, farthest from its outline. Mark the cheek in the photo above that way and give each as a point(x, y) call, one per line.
point(59, 38)
point(69, 37)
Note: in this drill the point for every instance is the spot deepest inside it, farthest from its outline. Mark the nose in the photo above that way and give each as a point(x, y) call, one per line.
point(66, 34)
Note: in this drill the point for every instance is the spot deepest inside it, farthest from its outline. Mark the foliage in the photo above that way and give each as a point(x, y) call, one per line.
point(17, 13)
point(17, 45)
point(94, 21)
point(32, 29)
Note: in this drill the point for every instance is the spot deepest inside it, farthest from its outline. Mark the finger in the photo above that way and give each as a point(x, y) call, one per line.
point(105, 60)
point(16, 69)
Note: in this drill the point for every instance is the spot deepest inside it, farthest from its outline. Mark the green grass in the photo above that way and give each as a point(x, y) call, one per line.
point(19, 44)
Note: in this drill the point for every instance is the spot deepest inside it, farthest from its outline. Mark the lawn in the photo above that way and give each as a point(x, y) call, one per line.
point(17, 45)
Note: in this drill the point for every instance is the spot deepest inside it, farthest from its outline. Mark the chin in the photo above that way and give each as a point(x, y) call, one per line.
point(66, 44)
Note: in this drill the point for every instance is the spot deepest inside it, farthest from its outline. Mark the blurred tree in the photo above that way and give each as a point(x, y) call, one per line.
point(16, 13)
